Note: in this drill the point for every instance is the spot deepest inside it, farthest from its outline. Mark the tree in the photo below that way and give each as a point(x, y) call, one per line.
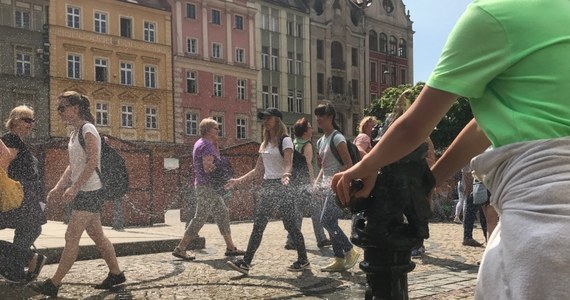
point(447, 129)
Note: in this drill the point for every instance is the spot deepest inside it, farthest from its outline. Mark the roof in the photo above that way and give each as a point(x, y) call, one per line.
point(156, 4)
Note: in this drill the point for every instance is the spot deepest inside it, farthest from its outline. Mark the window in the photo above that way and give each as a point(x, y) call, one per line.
point(23, 64)
point(149, 32)
point(402, 49)
point(216, 17)
point(274, 97)
point(191, 86)
point(265, 96)
point(290, 100)
point(289, 62)
point(393, 76)
point(373, 72)
point(150, 77)
point(100, 22)
point(102, 114)
point(299, 102)
point(403, 76)
point(220, 121)
point(73, 17)
point(151, 118)
point(383, 43)
point(274, 24)
point(127, 116)
point(218, 85)
point(264, 21)
point(241, 128)
point(274, 59)
point(241, 91)
point(393, 45)
point(192, 46)
point(190, 11)
point(320, 83)
point(354, 88)
point(126, 73)
point(239, 22)
point(373, 40)
point(101, 70)
point(22, 19)
point(384, 74)
point(191, 124)
point(299, 30)
point(320, 49)
point(73, 66)
point(126, 27)
point(240, 55)
point(290, 27)
point(337, 85)
point(216, 50)
point(265, 58)
point(299, 64)
point(354, 55)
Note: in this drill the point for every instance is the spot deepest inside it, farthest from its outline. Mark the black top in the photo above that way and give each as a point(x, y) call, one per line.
point(25, 166)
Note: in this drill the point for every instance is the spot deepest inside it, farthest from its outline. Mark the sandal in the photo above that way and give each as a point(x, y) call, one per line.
point(182, 254)
point(234, 252)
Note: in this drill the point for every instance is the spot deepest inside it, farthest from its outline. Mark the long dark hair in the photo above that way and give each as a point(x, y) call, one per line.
point(75, 98)
point(327, 109)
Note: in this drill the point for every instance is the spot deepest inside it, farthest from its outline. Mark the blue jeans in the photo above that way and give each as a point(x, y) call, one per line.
point(329, 219)
point(304, 202)
point(469, 218)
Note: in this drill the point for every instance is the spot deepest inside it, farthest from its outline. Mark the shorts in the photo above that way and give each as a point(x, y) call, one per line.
point(90, 201)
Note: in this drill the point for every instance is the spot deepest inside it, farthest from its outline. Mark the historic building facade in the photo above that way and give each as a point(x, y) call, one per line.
point(119, 54)
point(283, 54)
point(215, 71)
point(24, 60)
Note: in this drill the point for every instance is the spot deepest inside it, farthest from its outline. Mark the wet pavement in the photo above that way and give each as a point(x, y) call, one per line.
point(447, 270)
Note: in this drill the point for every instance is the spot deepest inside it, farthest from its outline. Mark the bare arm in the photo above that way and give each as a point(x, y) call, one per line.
point(288, 160)
point(308, 153)
point(344, 155)
point(6, 156)
point(208, 163)
point(257, 172)
point(405, 135)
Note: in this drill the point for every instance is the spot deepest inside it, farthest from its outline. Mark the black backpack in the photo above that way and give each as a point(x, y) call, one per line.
point(299, 169)
point(113, 173)
point(352, 150)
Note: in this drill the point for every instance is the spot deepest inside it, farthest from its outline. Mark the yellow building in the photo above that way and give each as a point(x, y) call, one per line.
point(118, 53)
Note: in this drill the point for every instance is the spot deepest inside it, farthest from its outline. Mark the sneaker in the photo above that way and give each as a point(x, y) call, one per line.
point(239, 265)
point(234, 252)
point(324, 243)
point(11, 276)
point(40, 262)
point(111, 281)
point(418, 252)
point(299, 266)
point(472, 243)
point(290, 246)
point(337, 266)
point(45, 288)
point(182, 254)
point(457, 220)
point(351, 258)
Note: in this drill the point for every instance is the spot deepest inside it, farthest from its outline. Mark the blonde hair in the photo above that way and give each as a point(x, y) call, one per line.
point(273, 137)
point(22, 111)
point(365, 121)
point(207, 124)
point(400, 107)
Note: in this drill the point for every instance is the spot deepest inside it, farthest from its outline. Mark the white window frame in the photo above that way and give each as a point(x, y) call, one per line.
point(127, 116)
point(131, 31)
point(265, 96)
point(126, 72)
point(265, 58)
point(274, 24)
point(150, 76)
point(290, 27)
point(275, 97)
point(241, 128)
point(191, 120)
point(151, 117)
point(299, 64)
point(24, 19)
point(73, 18)
point(299, 30)
point(241, 89)
point(76, 65)
point(274, 59)
point(23, 62)
point(299, 102)
point(100, 20)
point(102, 114)
point(220, 120)
point(217, 50)
point(216, 20)
point(264, 21)
point(191, 76)
point(101, 62)
point(188, 5)
point(290, 100)
point(149, 31)
point(192, 45)
point(289, 62)
point(218, 86)
point(240, 55)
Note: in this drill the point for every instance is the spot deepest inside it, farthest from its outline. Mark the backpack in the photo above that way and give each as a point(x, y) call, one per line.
point(113, 173)
point(352, 150)
point(299, 169)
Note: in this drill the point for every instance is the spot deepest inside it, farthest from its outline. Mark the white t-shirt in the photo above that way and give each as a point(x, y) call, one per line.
point(78, 157)
point(330, 164)
point(273, 161)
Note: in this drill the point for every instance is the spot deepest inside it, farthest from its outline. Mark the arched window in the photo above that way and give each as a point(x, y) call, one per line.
point(393, 45)
point(383, 43)
point(337, 61)
point(373, 40)
point(403, 49)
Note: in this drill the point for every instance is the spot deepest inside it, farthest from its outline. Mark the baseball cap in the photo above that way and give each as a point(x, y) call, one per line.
point(270, 111)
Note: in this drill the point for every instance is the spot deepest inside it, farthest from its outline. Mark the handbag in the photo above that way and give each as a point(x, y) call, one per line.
point(480, 193)
point(11, 193)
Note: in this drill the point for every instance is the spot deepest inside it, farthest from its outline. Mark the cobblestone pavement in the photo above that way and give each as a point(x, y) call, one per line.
point(448, 270)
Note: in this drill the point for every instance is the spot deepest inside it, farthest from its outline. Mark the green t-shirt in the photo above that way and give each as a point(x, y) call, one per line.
point(512, 59)
point(298, 143)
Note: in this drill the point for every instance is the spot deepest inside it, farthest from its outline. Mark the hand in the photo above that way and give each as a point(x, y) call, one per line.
point(231, 184)
point(285, 179)
point(340, 184)
point(69, 194)
point(54, 194)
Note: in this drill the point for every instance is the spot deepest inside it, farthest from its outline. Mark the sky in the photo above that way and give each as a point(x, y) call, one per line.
point(433, 21)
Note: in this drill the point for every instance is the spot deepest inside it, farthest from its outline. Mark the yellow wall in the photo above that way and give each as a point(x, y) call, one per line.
point(111, 46)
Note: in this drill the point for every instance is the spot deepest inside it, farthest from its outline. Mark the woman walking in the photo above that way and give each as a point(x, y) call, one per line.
point(275, 170)
point(80, 185)
point(345, 254)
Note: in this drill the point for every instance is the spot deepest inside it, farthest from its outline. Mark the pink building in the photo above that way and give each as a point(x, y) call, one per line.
point(214, 69)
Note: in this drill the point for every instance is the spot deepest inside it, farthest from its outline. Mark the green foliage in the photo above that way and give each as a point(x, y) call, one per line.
point(447, 129)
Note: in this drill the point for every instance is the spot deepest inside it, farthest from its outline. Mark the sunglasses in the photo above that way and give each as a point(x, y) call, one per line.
point(62, 108)
point(28, 120)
